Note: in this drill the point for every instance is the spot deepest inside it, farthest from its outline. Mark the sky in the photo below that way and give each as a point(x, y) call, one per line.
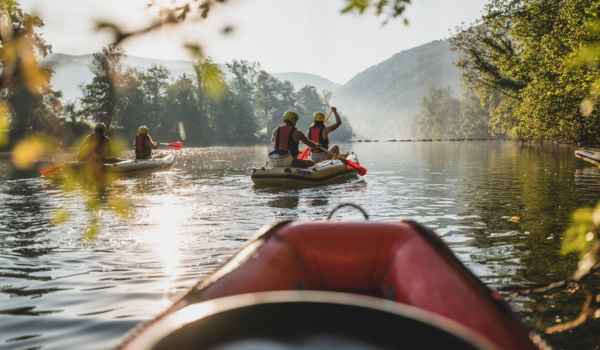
point(309, 36)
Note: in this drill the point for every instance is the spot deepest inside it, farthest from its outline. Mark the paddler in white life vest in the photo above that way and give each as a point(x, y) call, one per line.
point(143, 144)
point(288, 137)
point(318, 132)
point(95, 147)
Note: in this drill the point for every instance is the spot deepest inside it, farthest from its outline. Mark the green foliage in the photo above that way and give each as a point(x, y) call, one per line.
point(473, 118)
point(272, 98)
point(101, 97)
point(439, 117)
point(29, 105)
point(582, 237)
point(444, 116)
point(391, 9)
point(533, 63)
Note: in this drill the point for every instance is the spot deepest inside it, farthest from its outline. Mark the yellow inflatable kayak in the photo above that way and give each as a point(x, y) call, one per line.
point(126, 166)
point(321, 172)
point(591, 155)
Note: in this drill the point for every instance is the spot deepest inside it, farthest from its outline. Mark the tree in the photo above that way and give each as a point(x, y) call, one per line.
point(100, 97)
point(308, 102)
point(439, 116)
point(524, 58)
point(243, 83)
point(132, 108)
point(24, 84)
point(272, 98)
point(182, 106)
point(231, 119)
point(154, 83)
point(473, 118)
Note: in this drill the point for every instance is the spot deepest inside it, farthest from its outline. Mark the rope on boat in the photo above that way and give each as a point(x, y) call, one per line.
point(348, 205)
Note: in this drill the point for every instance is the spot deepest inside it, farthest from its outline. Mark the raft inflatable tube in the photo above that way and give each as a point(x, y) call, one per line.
point(127, 166)
point(590, 155)
point(319, 173)
point(359, 285)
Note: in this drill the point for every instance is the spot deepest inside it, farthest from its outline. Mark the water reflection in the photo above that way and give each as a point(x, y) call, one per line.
point(319, 202)
point(284, 202)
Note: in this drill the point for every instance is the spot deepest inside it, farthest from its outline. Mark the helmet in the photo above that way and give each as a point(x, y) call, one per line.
point(100, 126)
point(143, 130)
point(319, 117)
point(291, 116)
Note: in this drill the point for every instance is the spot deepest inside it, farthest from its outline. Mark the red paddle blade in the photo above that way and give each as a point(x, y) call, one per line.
point(51, 170)
point(304, 154)
point(354, 167)
point(176, 145)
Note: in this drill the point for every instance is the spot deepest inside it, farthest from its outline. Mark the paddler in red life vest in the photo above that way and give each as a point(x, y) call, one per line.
point(288, 137)
point(318, 132)
point(95, 147)
point(143, 144)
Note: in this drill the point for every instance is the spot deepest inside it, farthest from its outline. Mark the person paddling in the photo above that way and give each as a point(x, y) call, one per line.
point(95, 147)
point(318, 132)
point(143, 144)
point(288, 137)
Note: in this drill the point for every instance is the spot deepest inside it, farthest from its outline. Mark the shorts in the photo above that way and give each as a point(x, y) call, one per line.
point(318, 157)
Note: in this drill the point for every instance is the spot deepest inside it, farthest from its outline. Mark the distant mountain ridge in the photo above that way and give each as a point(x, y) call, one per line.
point(381, 100)
point(300, 80)
point(71, 70)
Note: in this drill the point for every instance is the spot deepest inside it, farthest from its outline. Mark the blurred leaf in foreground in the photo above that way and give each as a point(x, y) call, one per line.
point(582, 237)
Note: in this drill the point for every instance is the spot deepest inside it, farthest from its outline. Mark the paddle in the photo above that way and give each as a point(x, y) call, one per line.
point(51, 170)
point(328, 117)
point(350, 165)
point(306, 152)
point(173, 145)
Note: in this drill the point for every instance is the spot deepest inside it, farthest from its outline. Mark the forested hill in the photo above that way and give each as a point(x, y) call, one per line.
point(381, 100)
point(301, 80)
point(72, 70)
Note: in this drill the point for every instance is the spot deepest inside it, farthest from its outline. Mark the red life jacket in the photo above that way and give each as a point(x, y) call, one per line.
point(142, 150)
point(285, 140)
point(316, 135)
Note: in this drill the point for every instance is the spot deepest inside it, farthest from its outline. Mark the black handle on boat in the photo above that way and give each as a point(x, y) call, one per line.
point(348, 205)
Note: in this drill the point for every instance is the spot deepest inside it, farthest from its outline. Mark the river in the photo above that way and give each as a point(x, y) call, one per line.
point(82, 263)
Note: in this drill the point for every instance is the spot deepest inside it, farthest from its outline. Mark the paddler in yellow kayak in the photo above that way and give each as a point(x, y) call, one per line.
point(318, 132)
point(95, 147)
point(288, 137)
point(143, 144)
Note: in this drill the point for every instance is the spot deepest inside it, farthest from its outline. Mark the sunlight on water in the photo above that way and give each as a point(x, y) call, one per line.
point(59, 289)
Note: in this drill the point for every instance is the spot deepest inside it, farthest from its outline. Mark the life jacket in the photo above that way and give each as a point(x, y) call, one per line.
point(316, 135)
point(285, 140)
point(94, 147)
point(142, 150)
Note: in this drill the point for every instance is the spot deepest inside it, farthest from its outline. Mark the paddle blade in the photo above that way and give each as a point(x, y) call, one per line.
point(51, 170)
point(354, 167)
point(176, 145)
point(304, 154)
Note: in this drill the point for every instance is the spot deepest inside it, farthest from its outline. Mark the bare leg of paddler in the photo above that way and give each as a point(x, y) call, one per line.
point(335, 150)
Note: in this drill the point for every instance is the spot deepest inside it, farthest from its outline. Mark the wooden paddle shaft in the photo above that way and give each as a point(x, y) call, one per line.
point(325, 122)
point(331, 153)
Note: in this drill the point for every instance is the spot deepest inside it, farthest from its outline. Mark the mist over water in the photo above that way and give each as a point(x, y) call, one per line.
point(62, 288)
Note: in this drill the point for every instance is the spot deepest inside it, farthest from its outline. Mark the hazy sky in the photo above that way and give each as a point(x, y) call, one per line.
point(283, 35)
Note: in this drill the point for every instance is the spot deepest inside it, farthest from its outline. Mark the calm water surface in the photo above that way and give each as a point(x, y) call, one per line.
point(121, 251)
